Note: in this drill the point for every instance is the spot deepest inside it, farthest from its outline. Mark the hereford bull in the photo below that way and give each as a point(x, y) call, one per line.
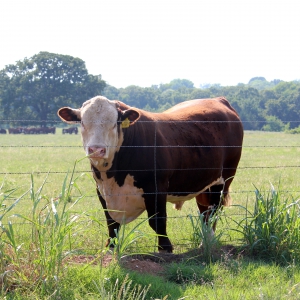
point(142, 160)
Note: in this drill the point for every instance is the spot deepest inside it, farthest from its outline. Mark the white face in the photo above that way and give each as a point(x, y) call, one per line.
point(99, 131)
point(101, 134)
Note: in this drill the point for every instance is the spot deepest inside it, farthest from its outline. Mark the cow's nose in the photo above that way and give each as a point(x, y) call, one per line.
point(96, 151)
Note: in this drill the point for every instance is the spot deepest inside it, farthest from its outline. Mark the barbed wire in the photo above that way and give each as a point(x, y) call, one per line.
point(151, 170)
point(187, 215)
point(152, 244)
point(148, 121)
point(154, 146)
point(27, 198)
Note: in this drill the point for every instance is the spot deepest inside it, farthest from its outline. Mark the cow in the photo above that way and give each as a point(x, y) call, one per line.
point(46, 130)
point(51, 130)
point(14, 130)
point(70, 130)
point(30, 130)
point(141, 160)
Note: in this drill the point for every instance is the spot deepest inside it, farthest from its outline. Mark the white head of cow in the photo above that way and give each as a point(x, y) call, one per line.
point(100, 121)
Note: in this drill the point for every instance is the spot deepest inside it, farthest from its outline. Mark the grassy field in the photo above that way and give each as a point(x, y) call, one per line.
point(266, 158)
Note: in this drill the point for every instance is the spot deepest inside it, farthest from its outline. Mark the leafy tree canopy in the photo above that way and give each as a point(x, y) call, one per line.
point(261, 83)
point(262, 105)
point(263, 79)
point(36, 87)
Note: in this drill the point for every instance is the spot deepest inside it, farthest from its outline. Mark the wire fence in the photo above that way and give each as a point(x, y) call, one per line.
point(292, 165)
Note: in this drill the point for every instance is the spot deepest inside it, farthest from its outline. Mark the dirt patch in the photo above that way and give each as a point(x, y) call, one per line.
point(104, 260)
point(143, 266)
point(153, 263)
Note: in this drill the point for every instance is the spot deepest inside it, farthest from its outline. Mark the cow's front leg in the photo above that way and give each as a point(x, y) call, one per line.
point(157, 214)
point(112, 225)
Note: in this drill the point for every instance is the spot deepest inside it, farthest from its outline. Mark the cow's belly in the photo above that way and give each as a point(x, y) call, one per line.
point(124, 203)
point(178, 201)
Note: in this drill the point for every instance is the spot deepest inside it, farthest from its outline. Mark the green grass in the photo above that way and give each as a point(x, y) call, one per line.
point(264, 159)
point(272, 230)
point(258, 166)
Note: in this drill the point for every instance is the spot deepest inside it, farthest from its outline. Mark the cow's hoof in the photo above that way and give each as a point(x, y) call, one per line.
point(165, 250)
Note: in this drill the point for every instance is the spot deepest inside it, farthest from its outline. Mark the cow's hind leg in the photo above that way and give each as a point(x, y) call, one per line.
point(112, 225)
point(209, 201)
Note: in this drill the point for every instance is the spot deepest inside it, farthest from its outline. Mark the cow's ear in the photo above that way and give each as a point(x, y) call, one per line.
point(129, 117)
point(69, 115)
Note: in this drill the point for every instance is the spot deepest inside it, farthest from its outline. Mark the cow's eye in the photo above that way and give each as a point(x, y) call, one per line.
point(82, 124)
point(115, 125)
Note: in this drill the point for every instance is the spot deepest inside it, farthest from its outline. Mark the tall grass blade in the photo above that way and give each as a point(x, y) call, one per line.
point(272, 230)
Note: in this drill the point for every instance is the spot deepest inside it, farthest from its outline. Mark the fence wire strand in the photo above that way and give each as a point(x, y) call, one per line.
point(156, 192)
point(144, 121)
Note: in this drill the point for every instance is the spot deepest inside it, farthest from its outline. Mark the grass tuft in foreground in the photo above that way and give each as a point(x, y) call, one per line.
point(203, 234)
point(272, 230)
point(38, 262)
point(37, 268)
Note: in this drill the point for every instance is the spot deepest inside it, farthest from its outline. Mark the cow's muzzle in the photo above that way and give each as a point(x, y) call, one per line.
point(96, 152)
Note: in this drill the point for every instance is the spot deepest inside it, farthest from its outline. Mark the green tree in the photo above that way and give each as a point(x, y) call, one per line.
point(285, 104)
point(111, 92)
point(200, 94)
point(36, 87)
point(273, 124)
point(139, 97)
point(260, 83)
point(177, 84)
point(246, 101)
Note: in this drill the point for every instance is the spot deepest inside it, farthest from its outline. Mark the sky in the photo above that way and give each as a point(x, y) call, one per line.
point(144, 43)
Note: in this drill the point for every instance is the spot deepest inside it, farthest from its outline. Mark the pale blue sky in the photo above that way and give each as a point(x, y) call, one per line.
point(151, 42)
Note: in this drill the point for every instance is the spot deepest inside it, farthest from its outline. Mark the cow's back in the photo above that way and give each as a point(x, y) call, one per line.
point(197, 140)
point(206, 122)
point(202, 108)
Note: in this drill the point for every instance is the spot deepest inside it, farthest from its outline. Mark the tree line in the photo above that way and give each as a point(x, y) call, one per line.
point(33, 89)
point(262, 105)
